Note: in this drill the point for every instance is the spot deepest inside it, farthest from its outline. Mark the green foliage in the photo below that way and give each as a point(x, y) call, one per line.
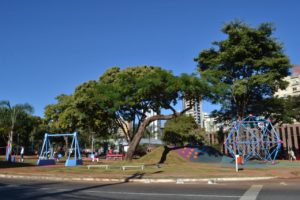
point(283, 110)
point(245, 69)
point(182, 130)
point(11, 119)
point(137, 90)
point(93, 120)
point(34, 131)
point(144, 88)
point(9, 114)
point(141, 150)
point(130, 93)
point(80, 112)
point(61, 116)
point(121, 97)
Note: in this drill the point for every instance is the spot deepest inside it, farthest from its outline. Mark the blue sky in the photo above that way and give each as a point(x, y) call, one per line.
point(49, 47)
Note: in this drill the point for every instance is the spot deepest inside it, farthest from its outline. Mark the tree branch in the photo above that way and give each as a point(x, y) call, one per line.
point(122, 124)
point(166, 117)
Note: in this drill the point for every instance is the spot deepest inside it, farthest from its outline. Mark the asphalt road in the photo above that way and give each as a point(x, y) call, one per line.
point(273, 190)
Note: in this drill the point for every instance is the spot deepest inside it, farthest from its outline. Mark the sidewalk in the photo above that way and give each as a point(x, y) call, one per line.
point(133, 179)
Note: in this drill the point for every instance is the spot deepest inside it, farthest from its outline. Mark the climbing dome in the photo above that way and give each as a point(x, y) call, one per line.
point(253, 138)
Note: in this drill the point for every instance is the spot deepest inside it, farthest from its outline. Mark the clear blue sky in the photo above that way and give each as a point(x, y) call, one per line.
point(49, 47)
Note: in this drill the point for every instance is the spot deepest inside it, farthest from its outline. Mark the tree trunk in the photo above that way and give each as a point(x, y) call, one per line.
point(141, 130)
point(67, 145)
point(10, 143)
point(136, 140)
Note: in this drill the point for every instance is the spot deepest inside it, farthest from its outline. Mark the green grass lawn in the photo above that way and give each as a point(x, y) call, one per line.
point(173, 166)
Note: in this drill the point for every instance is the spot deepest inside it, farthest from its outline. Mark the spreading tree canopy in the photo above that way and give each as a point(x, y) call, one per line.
point(61, 117)
point(123, 98)
point(131, 93)
point(284, 110)
point(246, 68)
point(79, 112)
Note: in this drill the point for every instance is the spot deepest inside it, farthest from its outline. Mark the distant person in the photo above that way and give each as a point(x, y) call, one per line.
point(55, 154)
point(59, 156)
point(110, 151)
point(13, 156)
point(22, 154)
point(95, 157)
point(291, 155)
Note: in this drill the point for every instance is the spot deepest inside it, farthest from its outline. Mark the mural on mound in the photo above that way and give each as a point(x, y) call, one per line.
point(200, 154)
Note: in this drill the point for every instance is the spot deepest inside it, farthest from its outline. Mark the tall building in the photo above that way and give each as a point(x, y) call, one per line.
point(209, 124)
point(154, 127)
point(195, 112)
point(293, 88)
point(155, 130)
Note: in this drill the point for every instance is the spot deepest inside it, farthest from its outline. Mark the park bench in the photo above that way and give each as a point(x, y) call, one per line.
point(124, 167)
point(100, 166)
point(115, 156)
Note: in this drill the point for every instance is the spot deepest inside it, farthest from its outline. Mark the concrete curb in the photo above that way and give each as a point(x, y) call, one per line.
point(142, 180)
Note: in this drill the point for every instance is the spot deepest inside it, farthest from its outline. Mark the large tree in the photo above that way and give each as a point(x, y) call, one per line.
point(91, 115)
point(131, 93)
point(81, 113)
point(246, 68)
point(9, 117)
point(283, 110)
point(61, 117)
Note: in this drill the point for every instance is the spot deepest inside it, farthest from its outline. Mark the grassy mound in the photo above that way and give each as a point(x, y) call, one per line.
point(155, 156)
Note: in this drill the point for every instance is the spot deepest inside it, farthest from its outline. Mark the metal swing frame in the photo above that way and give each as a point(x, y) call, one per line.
point(47, 154)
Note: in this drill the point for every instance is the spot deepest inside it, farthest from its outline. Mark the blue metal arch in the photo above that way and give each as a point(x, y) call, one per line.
point(47, 154)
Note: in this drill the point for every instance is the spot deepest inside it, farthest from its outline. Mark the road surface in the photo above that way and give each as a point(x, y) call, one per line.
point(27, 189)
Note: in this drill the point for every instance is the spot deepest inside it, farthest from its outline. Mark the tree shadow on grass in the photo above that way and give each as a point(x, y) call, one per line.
point(157, 172)
point(6, 164)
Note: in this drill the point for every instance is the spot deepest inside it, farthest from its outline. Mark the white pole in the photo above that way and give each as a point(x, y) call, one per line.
point(236, 163)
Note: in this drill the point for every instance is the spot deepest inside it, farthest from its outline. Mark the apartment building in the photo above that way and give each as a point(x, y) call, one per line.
point(293, 88)
point(195, 112)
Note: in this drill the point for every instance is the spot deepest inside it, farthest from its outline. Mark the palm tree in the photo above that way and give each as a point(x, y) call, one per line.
point(9, 116)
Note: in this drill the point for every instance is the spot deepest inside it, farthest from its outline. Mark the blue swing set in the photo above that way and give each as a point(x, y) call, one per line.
point(47, 154)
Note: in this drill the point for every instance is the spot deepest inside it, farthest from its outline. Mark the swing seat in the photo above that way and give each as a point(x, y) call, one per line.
point(73, 162)
point(42, 162)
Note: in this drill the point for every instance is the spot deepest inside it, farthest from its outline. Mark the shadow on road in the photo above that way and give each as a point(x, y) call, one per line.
point(29, 193)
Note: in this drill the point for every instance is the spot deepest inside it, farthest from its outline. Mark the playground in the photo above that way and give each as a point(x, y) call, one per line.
point(253, 138)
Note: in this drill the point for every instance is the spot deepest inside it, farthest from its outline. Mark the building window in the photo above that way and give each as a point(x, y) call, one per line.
point(294, 89)
point(295, 82)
